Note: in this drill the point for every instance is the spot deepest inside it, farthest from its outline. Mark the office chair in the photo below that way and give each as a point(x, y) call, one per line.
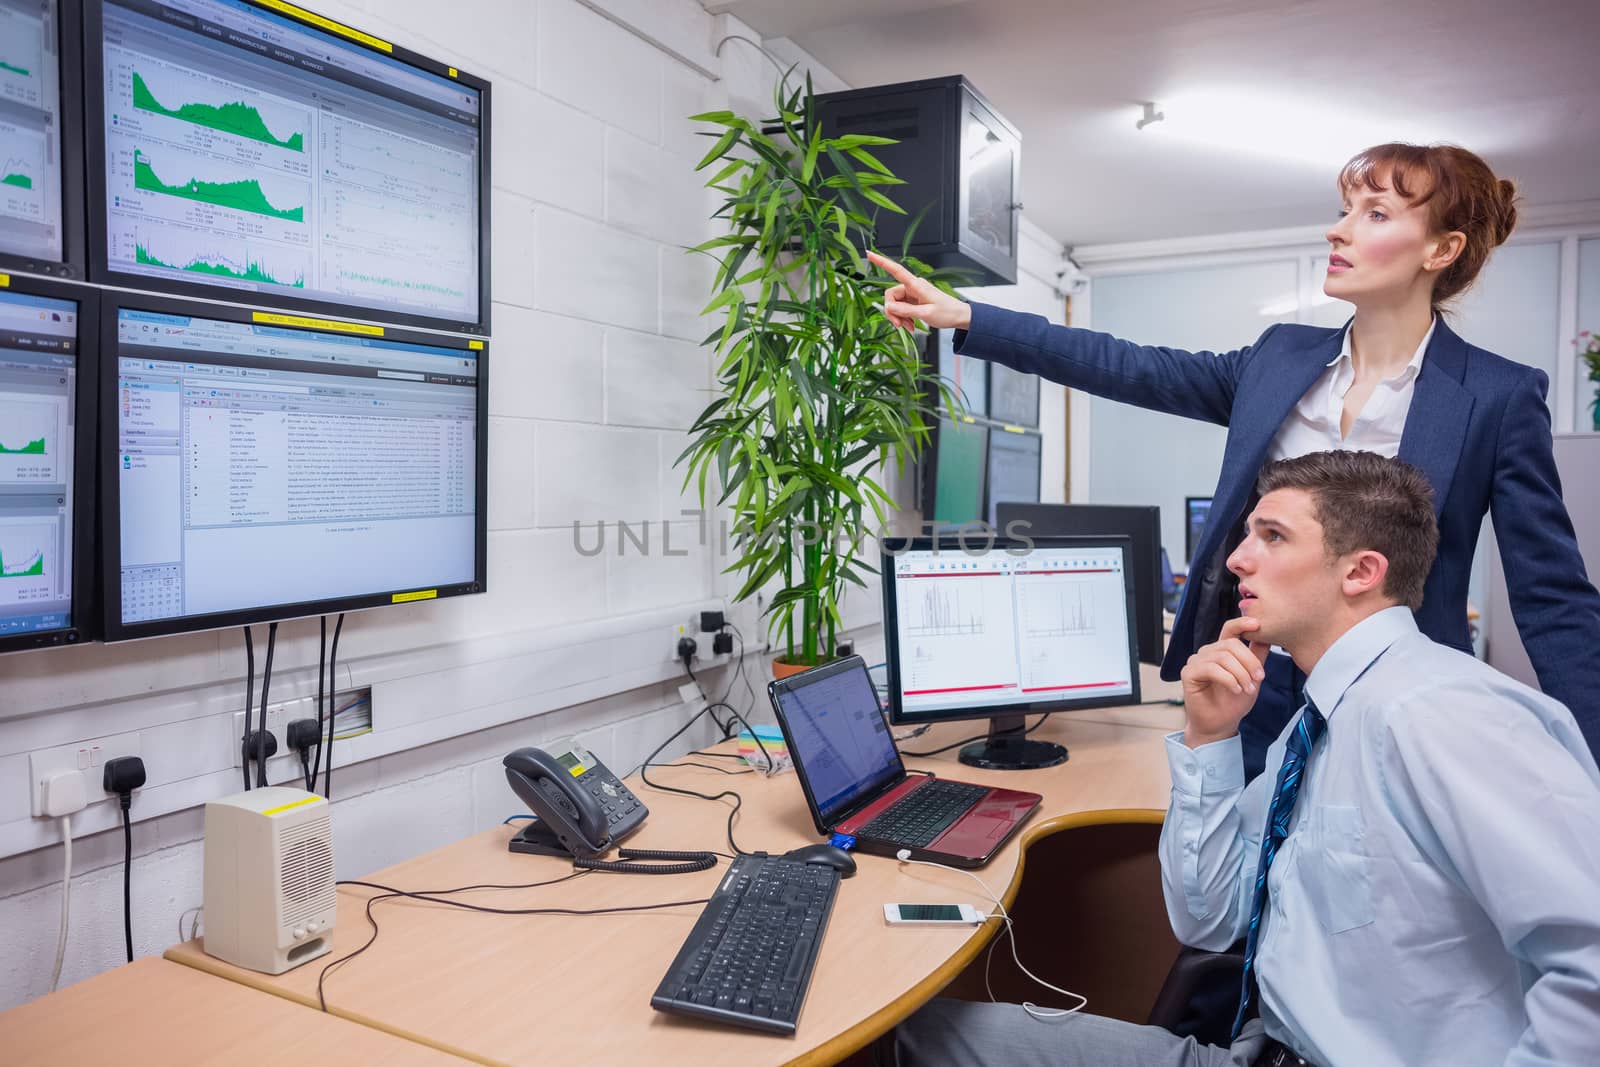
point(1201, 995)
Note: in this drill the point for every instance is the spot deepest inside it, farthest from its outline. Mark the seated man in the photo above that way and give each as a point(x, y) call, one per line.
point(1418, 884)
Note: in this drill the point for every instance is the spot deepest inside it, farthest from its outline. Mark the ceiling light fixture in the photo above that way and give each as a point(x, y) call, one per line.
point(1150, 115)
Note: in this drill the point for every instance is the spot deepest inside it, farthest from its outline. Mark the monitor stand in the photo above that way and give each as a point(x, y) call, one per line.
point(1005, 749)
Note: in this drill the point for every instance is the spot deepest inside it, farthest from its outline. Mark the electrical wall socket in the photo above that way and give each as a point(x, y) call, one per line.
point(681, 630)
point(88, 758)
point(279, 715)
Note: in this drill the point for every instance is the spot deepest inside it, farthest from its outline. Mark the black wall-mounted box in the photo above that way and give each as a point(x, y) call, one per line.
point(957, 154)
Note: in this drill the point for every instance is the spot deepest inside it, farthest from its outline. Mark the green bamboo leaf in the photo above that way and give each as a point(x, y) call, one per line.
point(718, 150)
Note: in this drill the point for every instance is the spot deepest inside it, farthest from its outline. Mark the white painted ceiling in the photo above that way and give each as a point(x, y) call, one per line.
point(1518, 83)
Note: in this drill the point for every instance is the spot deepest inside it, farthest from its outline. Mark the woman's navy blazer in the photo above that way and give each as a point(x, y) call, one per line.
point(1478, 428)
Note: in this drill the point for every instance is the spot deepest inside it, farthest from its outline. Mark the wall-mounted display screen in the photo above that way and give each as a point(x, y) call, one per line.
point(46, 452)
point(1014, 465)
point(234, 148)
point(40, 142)
point(255, 472)
point(1013, 396)
point(954, 469)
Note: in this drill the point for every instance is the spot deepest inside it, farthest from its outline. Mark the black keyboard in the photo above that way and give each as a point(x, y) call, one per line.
point(925, 813)
point(748, 959)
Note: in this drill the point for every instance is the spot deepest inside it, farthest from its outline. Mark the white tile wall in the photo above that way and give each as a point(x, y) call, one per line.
point(585, 268)
point(594, 473)
point(655, 381)
point(547, 366)
point(613, 76)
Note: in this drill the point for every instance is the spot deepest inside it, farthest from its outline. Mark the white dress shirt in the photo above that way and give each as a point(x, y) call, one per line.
point(1437, 899)
point(1314, 424)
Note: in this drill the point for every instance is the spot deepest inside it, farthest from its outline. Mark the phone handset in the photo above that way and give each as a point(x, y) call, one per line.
point(582, 810)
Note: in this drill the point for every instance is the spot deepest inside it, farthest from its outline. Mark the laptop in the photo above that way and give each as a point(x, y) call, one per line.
point(856, 784)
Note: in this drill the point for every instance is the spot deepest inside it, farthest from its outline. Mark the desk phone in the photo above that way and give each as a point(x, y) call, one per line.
point(583, 808)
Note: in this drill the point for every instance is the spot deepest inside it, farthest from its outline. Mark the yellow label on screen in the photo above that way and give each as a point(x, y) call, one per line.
point(292, 804)
point(968, 419)
point(5, 281)
point(1013, 429)
point(328, 24)
point(476, 346)
point(419, 594)
point(577, 770)
point(272, 318)
point(454, 73)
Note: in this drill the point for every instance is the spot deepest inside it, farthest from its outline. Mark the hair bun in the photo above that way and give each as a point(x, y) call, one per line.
point(1507, 220)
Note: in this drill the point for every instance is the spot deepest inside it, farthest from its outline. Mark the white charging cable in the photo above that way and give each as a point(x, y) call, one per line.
point(904, 856)
point(66, 901)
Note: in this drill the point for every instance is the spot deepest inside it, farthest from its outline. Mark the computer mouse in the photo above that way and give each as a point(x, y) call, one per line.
point(828, 855)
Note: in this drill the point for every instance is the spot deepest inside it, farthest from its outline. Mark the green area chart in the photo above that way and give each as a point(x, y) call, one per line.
point(251, 272)
point(32, 448)
point(21, 181)
point(18, 71)
point(32, 569)
point(241, 195)
point(237, 118)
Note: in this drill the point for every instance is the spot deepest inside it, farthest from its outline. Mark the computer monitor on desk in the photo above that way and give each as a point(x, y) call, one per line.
point(997, 629)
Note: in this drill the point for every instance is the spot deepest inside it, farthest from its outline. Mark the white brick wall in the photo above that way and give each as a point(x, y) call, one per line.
point(594, 374)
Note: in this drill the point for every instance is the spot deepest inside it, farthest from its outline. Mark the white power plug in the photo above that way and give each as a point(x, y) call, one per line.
point(63, 794)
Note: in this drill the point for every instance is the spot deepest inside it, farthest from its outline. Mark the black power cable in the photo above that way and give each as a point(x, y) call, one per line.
point(322, 665)
point(249, 695)
point(266, 682)
point(333, 698)
point(122, 775)
point(437, 897)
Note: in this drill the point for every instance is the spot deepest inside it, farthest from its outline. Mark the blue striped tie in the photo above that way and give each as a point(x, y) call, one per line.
point(1297, 753)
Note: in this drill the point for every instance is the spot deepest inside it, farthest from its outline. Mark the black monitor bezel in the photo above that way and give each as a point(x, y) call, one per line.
point(99, 262)
point(85, 517)
point(893, 548)
point(113, 628)
point(1190, 541)
point(73, 264)
point(1141, 523)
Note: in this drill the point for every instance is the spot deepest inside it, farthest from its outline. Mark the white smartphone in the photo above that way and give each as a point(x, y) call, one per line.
point(932, 914)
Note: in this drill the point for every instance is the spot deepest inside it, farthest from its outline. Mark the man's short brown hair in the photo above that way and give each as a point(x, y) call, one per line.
point(1365, 501)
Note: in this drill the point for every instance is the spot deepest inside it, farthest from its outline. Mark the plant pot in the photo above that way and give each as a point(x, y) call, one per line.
point(782, 668)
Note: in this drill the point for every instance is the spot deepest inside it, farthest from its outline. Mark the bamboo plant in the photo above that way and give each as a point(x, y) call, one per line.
point(817, 393)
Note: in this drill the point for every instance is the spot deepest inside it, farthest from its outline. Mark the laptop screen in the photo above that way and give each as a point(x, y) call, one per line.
point(839, 738)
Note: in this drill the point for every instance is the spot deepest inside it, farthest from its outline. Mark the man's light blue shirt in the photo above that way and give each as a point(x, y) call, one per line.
point(1437, 900)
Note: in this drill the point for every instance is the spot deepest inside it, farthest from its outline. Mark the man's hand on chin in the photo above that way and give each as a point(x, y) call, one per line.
point(1220, 683)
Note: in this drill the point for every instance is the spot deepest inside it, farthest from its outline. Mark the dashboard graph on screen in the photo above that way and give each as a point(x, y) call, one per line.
point(30, 439)
point(26, 576)
point(30, 130)
point(247, 151)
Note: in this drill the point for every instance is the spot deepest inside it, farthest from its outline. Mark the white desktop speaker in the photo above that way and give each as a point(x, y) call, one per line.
point(269, 895)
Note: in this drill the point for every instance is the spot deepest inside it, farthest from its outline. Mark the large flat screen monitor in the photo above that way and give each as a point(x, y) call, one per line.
point(964, 374)
point(1014, 470)
point(954, 470)
point(1141, 525)
point(47, 421)
point(993, 628)
point(1013, 396)
point(254, 472)
point(1196, 512)
point(236, 151)
point(41, 137)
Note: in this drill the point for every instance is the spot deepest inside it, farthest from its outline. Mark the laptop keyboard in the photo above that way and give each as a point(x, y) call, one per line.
point(925, 813)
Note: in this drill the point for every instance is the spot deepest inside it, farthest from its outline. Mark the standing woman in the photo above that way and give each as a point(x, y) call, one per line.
point(1417, 225)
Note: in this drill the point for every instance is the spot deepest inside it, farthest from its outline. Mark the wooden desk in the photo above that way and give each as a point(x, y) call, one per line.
point(152, 1013)
point(525, 990)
